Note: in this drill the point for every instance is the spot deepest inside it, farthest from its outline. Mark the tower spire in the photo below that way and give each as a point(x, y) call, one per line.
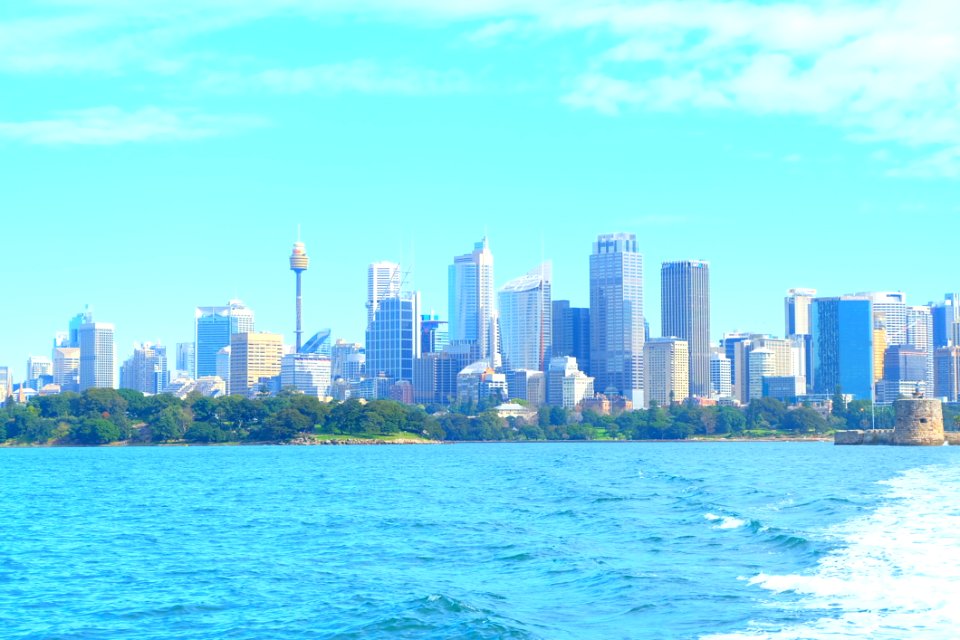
point(299, 262)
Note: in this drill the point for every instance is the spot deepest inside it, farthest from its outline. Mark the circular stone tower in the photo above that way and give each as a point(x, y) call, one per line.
point(919, 422)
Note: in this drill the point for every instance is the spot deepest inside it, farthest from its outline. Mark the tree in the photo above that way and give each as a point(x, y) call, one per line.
point(102, 403)
point(730, 420)
point(281, 426)
point(205, 432)
point(804, 420)
point(170, 424)
point(765, 413)
point(95, 431)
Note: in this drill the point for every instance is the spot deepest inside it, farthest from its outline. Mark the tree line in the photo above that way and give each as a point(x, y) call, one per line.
point(103, 416)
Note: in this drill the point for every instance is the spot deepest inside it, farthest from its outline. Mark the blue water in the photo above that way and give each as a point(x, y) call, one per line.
point(723, 540)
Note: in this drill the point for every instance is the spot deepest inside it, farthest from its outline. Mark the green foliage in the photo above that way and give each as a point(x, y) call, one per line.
point(95, 431)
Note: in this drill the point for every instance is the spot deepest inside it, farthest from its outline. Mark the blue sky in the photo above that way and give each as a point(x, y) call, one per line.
point(160, 156)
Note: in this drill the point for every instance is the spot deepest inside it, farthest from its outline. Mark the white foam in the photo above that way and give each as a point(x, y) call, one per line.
point(896, 574)
point(724, 522)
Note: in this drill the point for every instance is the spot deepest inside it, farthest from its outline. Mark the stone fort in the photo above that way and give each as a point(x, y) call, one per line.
point(919, 423)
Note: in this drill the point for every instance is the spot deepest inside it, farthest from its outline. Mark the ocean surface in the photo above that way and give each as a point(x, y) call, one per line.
point(592, 540)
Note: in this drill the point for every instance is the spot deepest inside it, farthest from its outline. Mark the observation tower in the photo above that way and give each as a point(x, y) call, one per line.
point(299, 262)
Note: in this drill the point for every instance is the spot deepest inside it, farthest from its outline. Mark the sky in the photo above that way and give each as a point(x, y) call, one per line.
point(160, 155)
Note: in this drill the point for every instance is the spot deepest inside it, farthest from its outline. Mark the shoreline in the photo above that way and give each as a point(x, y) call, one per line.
point(355, 442)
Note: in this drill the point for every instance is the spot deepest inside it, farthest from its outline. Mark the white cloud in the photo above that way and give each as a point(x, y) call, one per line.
point(111, 125)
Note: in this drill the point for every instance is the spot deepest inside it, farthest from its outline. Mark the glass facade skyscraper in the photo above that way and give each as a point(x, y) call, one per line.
point(526, 324)
point(571, 333)
point(213, 327)
point(616, 316)
point(842, 330)
point(97, 358)
point(685, 314)
point(393, 338)
point(472, 300)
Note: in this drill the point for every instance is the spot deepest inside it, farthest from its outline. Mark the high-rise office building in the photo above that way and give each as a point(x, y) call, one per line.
point(223, 367)
point(433, 333)
point(526, 320)
point(920, 336)
point(39, 371)
point(528, 385)
point(616, 316)
point(348, 360)
point(435, 376)
point(946, 320)
point(843, 346)
point(905, 363)
point(319, 344)
point(571, 333)
point(383, 281)
point(254, 357)
point(187, 358)
point(566, 385)
point(66, 368)
point(73, 332)
point(667, 368)
point(685, 314)
point(213, 328)
point(472, 300)
point(947, 383)
point(146, 370)
point(781, 358)
point(889, 313)
point(393, 338)
point(797, 311)
point(308, 373)
point(6, 383)
point(721, 379)
point(97, 358)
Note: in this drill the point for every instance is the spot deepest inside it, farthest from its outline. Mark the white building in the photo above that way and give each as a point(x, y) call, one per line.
point(526, 320)
point(721, 379)
point(383, 281)
point(306, 372)
point(472, 302)
point(666, 365)
point(97, 358)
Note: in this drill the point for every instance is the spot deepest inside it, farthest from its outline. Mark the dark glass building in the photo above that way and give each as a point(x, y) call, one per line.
point(842, 346)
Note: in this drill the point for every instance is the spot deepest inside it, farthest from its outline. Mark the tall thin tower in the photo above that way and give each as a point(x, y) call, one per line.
point(299, 262)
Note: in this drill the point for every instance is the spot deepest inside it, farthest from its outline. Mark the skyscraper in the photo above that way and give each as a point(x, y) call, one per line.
point(890, 313)
point(472, 300)
point(667, 362)
point(253, 357)
point(39, 371)
point(187, 358)
point(842, 330)
point(6, 383)
point(920, 336)
point(306, 372)
point(383, 281)
point(685, 314)
point(948, 373)
point(213, 328)
point(797, 312)
point(393, 338)
point(571, 333)
point(66, 368)
point(97, 359)
point(526, 324)
point(721, 380)
point(299, 262)
point(946, 320)
point(146, 370)
point(319, 343)
point(616, 316)
point(433, 332)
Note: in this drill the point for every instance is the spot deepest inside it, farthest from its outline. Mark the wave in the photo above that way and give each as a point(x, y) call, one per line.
point(893, 576)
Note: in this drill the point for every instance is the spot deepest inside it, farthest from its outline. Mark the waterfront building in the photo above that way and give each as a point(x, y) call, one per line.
point(393, 338)
point(721, 380)
point(797, 311)
point(843, 346)
point(761, 364)
point(306, 372)
point(146, 370)
point(781, 358)
point(920, 336)
point(616, 316)
point(433, 333)
point(66, 368)
point(208, 387)
point(348, 360)
point(526, 320)
point(383, 281)
point(187, 358)
point(435, 376)
point(254, 357)
point(571, 333)
point(97, 358)
point(784, 388)
point(472, 302)
point(946, 321)
point(667, 362)
point(213, 329)
point(685, 314)
point(527, 384)
point(948, 373)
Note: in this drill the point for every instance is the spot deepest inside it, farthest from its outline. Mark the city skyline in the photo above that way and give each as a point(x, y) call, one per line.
point(652, 311)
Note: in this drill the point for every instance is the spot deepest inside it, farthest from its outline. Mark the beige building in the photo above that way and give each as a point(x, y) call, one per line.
point(253, 356)
point(66, 368)
point(667, 372)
